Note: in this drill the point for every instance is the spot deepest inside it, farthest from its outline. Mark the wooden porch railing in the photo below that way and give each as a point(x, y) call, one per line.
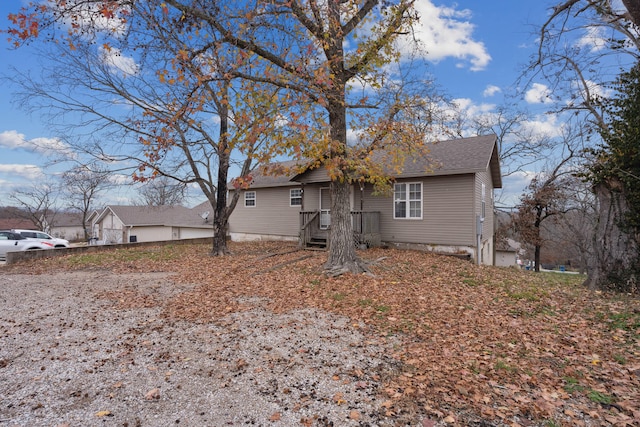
point(309, 223)
point(366, 229)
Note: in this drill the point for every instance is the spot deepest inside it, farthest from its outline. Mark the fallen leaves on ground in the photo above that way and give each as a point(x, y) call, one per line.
point(478, 343)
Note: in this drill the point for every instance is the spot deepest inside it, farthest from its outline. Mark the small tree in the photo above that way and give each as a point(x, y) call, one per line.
point(82, 186)
point(37, 203)
point(571, 236)
point(547, 198)
point(162, 191)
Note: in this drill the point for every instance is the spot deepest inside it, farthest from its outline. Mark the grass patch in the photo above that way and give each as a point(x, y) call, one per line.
point(626, 321)
point(620, 359)
point(367, 302)
point(383, 308)
point(470, 282)
point(531, 294)
point(573, 385)
point(503, 366)
point(148, 254)
point(598, 397)
point(546, 311)
point(562, 279)
point(338, 296)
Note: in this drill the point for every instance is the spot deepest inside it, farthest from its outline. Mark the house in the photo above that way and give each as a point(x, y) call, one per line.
point(508, 253)
point(66, 225)
point(444, 204)
point(122, 224)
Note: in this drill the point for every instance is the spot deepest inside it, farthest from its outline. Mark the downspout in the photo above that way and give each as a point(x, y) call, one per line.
point(479, 222)
point(361, 206)
point(301, 233)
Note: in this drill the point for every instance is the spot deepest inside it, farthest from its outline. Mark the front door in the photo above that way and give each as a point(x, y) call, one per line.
point(325, 208)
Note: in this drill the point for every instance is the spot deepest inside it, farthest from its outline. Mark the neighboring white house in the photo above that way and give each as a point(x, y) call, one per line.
point(122, 224)
point(443, 204)
point(508, 252)
point(67, 225)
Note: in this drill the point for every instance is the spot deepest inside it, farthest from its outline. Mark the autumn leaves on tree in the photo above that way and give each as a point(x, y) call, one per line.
point(277, 75)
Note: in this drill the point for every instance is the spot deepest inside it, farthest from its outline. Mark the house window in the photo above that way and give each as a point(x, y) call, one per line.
point(295, 197)
point(249, 199)
point(407, 200)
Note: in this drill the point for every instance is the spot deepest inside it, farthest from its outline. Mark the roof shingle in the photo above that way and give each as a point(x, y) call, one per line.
point(452, 157)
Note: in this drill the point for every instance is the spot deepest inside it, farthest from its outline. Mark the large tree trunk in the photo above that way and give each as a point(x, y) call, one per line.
point(633, 7)
point(536, 258)
point(342, 252)
point(221, 211)
point(221, 214)
point(220, 227)
point(614, 263)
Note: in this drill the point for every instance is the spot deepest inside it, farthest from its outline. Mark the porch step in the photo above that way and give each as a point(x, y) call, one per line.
point(317, 242)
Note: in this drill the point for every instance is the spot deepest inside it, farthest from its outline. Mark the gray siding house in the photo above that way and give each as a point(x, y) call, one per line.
point(123, 224)
point(444, 204)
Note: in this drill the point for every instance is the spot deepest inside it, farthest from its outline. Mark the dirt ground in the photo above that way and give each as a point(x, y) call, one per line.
point(169, 335)
point(92, 348)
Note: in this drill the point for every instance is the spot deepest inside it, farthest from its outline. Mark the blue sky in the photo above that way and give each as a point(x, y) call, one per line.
point(477, 50)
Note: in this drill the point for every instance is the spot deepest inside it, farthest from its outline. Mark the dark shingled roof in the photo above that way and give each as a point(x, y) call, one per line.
point(262, 177)
point(459, 156)
point(68, 219)
point(452, 157)
point(159, 215)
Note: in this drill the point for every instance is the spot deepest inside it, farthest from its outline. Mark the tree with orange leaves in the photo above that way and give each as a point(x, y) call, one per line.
point(327, 63)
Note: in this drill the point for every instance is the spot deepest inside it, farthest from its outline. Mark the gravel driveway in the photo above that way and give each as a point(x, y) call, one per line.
point(94, 348)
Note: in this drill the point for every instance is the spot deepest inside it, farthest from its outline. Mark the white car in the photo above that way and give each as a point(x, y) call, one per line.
point(14, 242)
point(43, 237)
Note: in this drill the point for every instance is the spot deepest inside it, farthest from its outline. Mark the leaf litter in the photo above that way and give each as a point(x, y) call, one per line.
point(461, 344)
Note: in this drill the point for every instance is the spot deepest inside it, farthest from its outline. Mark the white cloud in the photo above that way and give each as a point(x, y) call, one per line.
point(471, 108)
point(31, 172)
point(593, 89)
point(117, 62)
point(447, 33)
point(594, 39)
point(12, 139)
point(119, 179)
point(547, 125)
point(538, 94)
point(491, 90)
point(50, 146)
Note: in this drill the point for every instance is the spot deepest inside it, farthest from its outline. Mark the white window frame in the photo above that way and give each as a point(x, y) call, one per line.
point(250, 196)
point(292, 197)
point(407, 200)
